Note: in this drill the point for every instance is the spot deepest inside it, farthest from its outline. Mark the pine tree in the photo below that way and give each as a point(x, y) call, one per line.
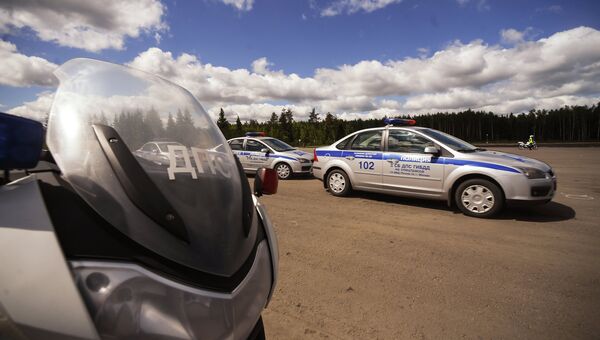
point(313, 117)
point(223, 124)
point(171, 130)
point(238, 127)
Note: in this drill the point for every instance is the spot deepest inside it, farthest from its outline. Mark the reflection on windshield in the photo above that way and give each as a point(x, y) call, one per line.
point(164, 146)
point(450, 141)
point(277, 145)
point(139, 127)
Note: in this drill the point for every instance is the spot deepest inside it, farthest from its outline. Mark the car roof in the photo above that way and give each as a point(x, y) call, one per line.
point(254, 137)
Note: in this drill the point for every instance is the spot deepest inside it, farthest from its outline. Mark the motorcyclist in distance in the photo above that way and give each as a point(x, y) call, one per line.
point(530, 142)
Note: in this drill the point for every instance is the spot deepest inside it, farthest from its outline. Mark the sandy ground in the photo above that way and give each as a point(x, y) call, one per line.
point(374, 266)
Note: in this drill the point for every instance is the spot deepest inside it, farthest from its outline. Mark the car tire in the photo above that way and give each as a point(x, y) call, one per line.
point(283, 170)
point(479, 198)
point(338, 183)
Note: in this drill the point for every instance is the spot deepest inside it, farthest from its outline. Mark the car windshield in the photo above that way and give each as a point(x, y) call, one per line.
point(277, 145)
point(164, 146)
point(452, 142)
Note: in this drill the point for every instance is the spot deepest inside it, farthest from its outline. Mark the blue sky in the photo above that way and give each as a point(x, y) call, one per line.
point(302, 36)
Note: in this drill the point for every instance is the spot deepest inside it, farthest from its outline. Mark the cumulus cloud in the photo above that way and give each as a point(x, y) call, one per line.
point(513, 36)
point(338, 7)
point(561, 69)
point(546, 72)
point(37, 109)
point(240, 5)
point(89, 25)
point(19, 70)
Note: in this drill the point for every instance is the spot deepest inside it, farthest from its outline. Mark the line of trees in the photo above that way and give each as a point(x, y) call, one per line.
point(566, 124)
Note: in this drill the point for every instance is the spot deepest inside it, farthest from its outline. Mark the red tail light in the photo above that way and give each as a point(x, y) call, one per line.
point(316, 159)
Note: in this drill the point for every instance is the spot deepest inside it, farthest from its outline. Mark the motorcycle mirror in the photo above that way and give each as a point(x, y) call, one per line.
point(21, 141)
point(265, 182)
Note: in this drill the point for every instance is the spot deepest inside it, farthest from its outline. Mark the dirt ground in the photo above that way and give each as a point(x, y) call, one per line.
point(381, 267)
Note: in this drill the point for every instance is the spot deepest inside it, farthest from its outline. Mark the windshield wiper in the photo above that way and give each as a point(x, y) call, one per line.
point(468, 150)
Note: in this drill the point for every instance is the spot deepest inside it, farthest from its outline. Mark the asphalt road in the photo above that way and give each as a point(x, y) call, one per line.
point(375, 266)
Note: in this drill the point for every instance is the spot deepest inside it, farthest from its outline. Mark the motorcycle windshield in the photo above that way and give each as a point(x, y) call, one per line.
point(147, 157)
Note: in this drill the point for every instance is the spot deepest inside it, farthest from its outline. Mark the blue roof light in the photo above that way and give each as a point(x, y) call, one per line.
point(255, 134)
point(399, 121)
point(21, 142)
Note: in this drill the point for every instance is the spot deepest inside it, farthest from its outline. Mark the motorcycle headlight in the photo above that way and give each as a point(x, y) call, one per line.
point(533, 173)
point(126, 300)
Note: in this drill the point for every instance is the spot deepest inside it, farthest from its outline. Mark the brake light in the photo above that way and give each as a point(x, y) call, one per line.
point(315, 158)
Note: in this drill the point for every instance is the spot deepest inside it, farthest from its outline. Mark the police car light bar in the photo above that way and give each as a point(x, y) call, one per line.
point(255, 134)
point(399, 121)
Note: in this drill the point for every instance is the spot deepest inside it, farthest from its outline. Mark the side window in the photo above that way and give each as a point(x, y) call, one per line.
point(252, 145)
point(407, 142)
point(147, 147)
point(236, 144)
point(369, 140)
point(344, 144)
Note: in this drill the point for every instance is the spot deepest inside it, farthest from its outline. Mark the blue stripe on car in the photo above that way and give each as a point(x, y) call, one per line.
point(437, 160)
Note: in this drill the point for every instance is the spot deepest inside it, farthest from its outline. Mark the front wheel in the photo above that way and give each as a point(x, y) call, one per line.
point(338, 183)
point(283, 171)
point(479, 198)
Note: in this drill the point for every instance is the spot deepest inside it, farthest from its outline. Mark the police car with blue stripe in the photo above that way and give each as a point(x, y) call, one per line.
point(406, 160)
point(256, 150)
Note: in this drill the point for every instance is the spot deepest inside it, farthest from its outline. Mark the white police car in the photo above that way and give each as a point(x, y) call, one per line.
point(255, 151)
point(420, 162)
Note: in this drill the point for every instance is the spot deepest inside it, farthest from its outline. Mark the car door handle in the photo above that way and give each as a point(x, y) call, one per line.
point(349, 158)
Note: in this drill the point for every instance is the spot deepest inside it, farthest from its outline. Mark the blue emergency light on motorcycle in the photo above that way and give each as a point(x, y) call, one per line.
point(255, 134)
point(399, 121)
point(21, 142)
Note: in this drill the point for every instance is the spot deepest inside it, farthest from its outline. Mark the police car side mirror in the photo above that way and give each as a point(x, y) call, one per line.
point(264, 150)
point(265, 182)
point(432, 150)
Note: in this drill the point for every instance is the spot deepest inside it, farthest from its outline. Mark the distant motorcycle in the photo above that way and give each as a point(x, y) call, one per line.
point(523, 146)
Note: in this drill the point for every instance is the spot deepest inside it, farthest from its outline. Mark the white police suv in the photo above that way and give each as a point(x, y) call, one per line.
point(406, 160)
point(255, 151)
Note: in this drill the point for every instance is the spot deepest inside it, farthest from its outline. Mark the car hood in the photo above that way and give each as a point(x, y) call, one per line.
point(507, 159)
point(298, 154)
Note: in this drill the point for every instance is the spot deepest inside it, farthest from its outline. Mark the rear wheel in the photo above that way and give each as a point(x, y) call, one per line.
point(338, 183)
point(284, 171)
point(479, 198)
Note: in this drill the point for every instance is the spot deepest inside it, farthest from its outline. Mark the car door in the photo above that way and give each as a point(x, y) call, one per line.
point(407, 168)
point(364, 157)
point(237, 146)
point(255, 157)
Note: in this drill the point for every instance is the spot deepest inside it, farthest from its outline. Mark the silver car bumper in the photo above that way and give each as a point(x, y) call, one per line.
point(520, 188)
point(302, 168)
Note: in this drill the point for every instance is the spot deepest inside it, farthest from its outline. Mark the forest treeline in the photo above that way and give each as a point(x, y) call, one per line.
point(566, 124)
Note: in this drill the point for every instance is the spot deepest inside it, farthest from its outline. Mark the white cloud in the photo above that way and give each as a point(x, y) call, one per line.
point(552, 9)
point(19, 70)
point(37, 109)
point(482, 5)
point(240, 5)
point(89, 25)
point(563, 68)
point(513, 36)
point(338, 7)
